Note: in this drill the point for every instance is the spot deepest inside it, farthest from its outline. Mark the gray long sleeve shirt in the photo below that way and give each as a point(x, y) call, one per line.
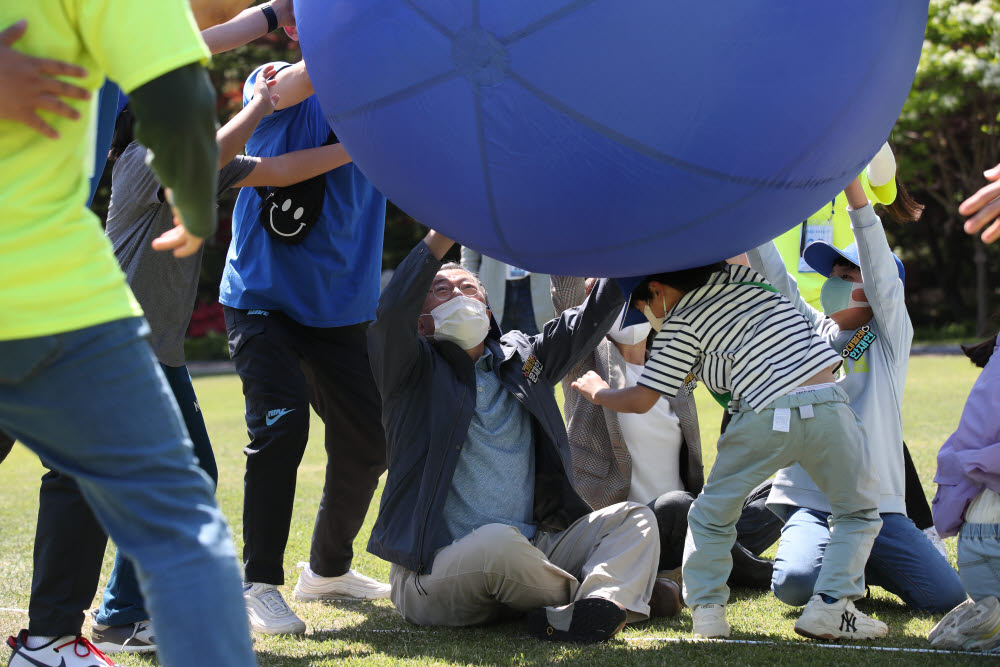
point(874, 382)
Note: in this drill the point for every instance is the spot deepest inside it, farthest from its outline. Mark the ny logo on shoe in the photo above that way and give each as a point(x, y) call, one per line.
point(848, 622)
point(275, 415)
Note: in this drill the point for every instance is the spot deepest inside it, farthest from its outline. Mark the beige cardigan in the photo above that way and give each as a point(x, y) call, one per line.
point(602, 466)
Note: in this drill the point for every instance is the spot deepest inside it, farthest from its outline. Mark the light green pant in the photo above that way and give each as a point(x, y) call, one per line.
point(495, 571)
point(830, 447)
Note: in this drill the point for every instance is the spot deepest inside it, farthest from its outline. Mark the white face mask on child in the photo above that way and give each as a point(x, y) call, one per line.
point(654, 321)
point(630, 335)
point(462, 320)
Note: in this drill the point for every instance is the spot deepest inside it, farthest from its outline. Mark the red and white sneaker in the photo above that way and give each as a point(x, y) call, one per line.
point(66, 651)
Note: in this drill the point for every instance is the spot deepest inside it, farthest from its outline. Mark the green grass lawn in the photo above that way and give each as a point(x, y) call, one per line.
point(372, 633)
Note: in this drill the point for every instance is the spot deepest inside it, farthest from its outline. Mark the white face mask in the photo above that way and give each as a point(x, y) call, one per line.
point(654, 321)
point(462, 320)
point(630, 335)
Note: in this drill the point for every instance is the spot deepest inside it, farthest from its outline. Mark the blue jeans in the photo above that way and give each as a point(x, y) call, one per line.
point(979, 559)
point(902, 561)
point(94, 405)
point(122, 602)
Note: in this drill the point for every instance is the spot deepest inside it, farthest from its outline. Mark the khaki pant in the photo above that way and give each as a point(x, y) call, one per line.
point(494, 571)
point(830, 446)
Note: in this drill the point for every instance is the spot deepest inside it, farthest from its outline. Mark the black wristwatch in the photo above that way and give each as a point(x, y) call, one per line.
point(272, 18)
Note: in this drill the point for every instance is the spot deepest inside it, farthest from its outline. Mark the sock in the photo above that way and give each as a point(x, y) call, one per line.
point(827, 599)
point(37, 641)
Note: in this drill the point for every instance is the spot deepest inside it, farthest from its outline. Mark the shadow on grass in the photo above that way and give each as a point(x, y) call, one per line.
point(378, 633)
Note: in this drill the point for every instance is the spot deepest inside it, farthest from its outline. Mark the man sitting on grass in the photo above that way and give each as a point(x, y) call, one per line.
point(479, 516)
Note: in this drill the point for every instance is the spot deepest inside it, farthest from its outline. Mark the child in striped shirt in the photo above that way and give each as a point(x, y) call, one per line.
point(759, 356)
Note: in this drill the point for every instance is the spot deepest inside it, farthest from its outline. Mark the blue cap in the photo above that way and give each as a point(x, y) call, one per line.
point(820, 255)
point(632, 316)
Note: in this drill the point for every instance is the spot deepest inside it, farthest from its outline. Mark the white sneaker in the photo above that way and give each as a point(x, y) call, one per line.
point(969, 626)
point(838, 620)
point(349, 586)
point(936, 540)
point(268, 612)
point(68, 651)
point(947, 625)
point(709, 621)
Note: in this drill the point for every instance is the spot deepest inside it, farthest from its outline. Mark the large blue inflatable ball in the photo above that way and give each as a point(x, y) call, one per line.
point(611, 137)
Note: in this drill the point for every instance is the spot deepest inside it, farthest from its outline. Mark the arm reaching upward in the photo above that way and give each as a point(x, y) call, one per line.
point(247, 26)
point(232, 136)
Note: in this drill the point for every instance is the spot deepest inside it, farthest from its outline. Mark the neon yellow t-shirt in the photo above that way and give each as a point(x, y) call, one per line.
point(57, 271)
point(810, 283)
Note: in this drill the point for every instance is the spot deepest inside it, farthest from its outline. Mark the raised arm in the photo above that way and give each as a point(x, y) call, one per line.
point(395, 348)
point(767, 261)
point(233, 136)
point(883, 288)
point(295, 167)
point(568, 338)
point(293, 85)
point(248, 25)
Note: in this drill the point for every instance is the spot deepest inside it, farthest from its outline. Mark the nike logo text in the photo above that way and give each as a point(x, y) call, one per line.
point(275, 415)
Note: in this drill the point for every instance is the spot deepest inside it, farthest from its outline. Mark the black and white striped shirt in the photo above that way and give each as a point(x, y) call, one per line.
point(736, 338)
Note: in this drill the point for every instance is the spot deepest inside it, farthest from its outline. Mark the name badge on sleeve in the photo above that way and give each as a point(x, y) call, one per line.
point(532, 369)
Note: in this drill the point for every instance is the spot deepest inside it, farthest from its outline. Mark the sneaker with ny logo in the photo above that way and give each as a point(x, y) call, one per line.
point(839, 619)
point(67, 651)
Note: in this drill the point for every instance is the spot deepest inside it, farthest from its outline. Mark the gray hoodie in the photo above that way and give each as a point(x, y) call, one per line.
point(874, 382)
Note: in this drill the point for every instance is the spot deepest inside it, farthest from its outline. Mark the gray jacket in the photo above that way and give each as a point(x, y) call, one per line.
point(493, 275)
point(602, 465)
point(428, 399)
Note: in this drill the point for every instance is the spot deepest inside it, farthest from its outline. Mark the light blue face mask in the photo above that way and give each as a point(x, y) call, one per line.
point(835, 294)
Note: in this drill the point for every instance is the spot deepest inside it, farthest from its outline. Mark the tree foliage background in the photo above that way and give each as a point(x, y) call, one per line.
point(946, 135)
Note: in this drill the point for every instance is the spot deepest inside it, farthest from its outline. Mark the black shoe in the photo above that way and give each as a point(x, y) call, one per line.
point(589, 620)
point(749, 571)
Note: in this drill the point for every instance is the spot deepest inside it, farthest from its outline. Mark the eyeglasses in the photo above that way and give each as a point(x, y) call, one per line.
point(445, 290)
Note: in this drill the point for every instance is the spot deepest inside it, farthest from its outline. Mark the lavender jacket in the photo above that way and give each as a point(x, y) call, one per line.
point(970, 459)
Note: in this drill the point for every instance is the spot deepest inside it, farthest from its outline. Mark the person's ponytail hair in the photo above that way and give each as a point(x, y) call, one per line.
point(980, 353)
point(904, 208)
point(123, 135)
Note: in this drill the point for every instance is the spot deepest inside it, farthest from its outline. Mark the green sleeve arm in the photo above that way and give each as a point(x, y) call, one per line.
point(175, 120)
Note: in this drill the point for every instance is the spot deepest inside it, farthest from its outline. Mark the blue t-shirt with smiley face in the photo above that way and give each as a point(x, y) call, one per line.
point(332, 277)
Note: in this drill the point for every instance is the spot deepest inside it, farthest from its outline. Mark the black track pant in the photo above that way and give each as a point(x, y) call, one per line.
point(286, 367)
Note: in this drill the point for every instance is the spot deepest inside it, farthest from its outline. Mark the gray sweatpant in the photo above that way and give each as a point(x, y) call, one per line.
point(829, 446)
point(495, 571)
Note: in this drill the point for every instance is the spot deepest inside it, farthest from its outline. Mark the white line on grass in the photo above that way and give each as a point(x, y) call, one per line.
point(683, 640)
point(22, 611)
